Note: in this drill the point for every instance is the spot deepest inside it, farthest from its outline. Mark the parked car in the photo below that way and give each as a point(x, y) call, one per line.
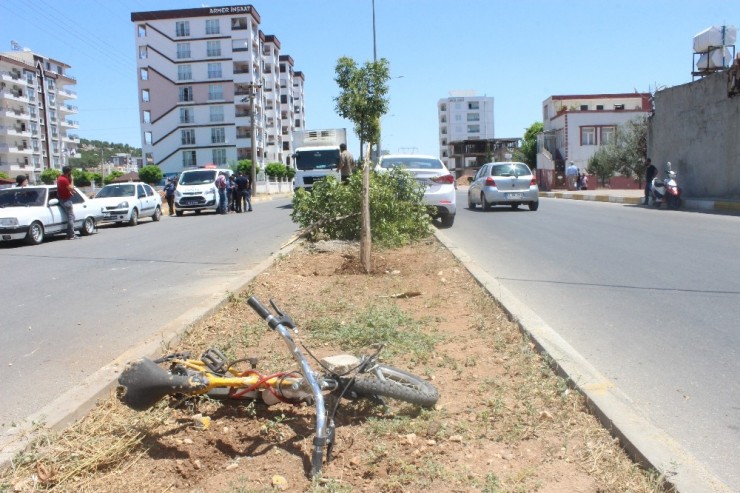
point(504, 183)
point(129, 202)
point(433, 174)
point(32, 213)
point(196, 190)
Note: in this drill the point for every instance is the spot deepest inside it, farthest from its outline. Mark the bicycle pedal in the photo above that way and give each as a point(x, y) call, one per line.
point(214, 360)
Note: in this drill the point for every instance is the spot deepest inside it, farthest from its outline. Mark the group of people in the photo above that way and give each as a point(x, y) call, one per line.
point(234, 193)
point(577, 179)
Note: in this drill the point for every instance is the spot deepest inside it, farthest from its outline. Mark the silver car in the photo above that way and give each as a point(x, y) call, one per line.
point(504, 183)
point(432, 173)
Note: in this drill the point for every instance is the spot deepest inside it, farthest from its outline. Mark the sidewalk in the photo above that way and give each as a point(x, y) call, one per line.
point(635, 197)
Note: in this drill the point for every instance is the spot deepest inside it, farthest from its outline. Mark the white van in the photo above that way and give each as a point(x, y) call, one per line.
point(196, 190)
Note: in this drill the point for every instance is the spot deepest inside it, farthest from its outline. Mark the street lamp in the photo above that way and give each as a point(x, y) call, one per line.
point(252, 97)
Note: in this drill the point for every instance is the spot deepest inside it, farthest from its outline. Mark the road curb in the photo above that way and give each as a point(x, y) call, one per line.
point(75, 403)
point(592, 198)
point(643, 441)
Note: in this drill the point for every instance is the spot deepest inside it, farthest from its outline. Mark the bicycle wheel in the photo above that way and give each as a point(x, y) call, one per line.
point(396, 384)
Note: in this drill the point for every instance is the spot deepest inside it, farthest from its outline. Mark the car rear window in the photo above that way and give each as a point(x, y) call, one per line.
point(510, 169)
point(411, 163)
point(126, 190)
point(22, 197)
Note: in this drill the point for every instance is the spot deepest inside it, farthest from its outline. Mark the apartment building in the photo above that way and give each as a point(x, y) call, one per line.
point(291, 103)
point(463, 116)
point(202, 74)
point(34, 113)
point(575, 126)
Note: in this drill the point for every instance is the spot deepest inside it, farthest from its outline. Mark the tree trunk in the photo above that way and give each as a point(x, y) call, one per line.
point(365, 236)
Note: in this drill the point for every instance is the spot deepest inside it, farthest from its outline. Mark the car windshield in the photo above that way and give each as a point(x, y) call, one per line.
point(318, 159)
point(411, 163)
point(200, 177)
point(125, 190)
point(22, 197)
point(510, 169)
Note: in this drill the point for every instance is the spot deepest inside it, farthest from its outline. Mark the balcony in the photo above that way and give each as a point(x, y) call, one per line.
point(70, 124)
point(14, 131)
point(65, 93)
point(10, 95)
point(16, 149)
point(66, 108)
point(10, 76)
point(14, 113)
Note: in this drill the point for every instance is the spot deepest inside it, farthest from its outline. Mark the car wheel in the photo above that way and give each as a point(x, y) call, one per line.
point(484, 203)
point(134, 220)
point(471, 204)
point(88, 226)
point(515, 206)
point(157, 214)
point(179, 213)
point(533, 206)
point(447, 220)
point(35, 234)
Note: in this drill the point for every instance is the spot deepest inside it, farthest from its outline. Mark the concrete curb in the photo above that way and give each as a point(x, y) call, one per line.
point(690, 204)
point(77, 402)
point(592, 198)
point(643, 441)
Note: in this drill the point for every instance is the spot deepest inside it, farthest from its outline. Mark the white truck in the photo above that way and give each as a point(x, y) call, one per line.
point(316, 155)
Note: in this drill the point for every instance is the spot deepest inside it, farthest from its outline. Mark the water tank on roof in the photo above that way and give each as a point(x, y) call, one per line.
point(716, 58)
point(714, 37)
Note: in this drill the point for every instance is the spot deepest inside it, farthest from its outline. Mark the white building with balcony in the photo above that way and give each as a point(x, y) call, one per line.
point(463, 116)
point(575, 126)
point(197, 73)
point(35, 113)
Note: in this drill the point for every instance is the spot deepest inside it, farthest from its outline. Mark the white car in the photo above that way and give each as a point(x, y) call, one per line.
point(128, 202)
point(440, 193)
point(32, 213)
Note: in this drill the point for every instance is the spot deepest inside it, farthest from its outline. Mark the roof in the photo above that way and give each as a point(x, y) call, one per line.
point(132, 176)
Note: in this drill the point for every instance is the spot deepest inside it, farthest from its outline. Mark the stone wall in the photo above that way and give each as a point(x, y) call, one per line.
point(696, 127)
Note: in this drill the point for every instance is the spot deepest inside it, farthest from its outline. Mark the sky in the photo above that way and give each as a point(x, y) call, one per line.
point(518, 52)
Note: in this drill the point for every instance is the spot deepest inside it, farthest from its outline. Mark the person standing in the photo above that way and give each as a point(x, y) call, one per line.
point(221, 187)
point(169, 194)
point(650, 172)
point(244, 187)
point(571, 175)
point(346, 162)
point(21, 181)
point(65, 192)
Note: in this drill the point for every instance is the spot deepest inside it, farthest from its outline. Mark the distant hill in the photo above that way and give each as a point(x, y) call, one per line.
point(91, 153)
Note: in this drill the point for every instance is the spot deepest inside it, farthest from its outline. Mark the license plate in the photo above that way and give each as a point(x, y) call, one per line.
point(513, 196)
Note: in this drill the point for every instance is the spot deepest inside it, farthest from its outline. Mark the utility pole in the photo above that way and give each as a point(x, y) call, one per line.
point(253, 90)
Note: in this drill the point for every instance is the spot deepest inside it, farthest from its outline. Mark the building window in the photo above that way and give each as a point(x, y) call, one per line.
point(142, 52)
point(217, 113)
point(213, 48)
point(187, 137)
point(239, 45)
point(618, 106)
point(588, 136)
point(147, 116)
point(144, 74)
point(473, 129)
point(473, 105)
point(444, 130)
point(145, 95)
point(599, 107)
point(184, 72)
point(215, 92)
point(212, 26)
point(238, 23)
point(186, 115)
point(183, 50)
point(443, 107)
point(584, 107)
point(458, 117)
point(182, 28)
point(473, 117)
point(148, 138)
point(218, 135)
point(186, 94)
point(214, 70)
point(142, 31)
point(188, 158)
point(219, 157)
point(608, 135)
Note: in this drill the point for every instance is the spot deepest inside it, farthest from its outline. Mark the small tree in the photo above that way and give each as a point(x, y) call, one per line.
point(151, 174)
point(289, 172)
point(602, 165)
point(275, 170)
point(112, 176)
point(245, 166)
point(81, 177)
point(527, 153)
point(49, 176)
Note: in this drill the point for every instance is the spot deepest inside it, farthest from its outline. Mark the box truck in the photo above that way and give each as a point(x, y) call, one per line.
point(316, 155)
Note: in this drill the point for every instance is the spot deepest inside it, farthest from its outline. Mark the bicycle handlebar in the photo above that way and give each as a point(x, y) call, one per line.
point(261, 310)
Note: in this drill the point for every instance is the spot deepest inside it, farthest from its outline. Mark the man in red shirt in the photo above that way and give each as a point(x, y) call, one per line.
point(65, 192)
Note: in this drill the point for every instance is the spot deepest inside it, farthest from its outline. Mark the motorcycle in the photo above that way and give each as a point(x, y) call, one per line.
point(666, 191)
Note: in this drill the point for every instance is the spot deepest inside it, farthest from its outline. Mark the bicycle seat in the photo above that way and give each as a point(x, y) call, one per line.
point(143, 383)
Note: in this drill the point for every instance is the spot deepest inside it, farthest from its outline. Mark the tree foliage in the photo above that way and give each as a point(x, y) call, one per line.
point(276, 170)
point(151, 174)
point(398, 215)
point(625, 155)
point(93, 152)
point(527, 153)
point(363, 95)
point(49, 176)
point(245, 166)
point(112, 176)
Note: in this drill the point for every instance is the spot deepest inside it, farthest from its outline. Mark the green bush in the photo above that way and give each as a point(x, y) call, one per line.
point(151, 174)
point(112, 176)
point(275, 170)
point(397, 213)
point(49, 176)
point(245, 166)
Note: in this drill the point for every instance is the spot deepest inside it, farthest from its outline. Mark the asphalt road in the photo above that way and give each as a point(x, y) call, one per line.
point(70, 307)
point(651, 298)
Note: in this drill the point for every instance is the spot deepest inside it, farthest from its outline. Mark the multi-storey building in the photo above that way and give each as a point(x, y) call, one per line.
point(463, 116)
point(291, 103)
point(203, 74)
point(575, 126)
point(34, 112)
